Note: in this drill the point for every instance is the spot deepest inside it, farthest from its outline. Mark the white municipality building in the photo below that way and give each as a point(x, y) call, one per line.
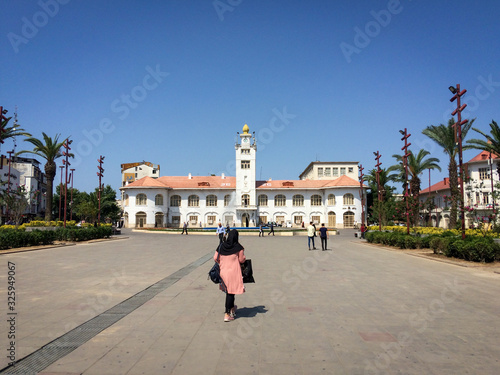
point(327, 192)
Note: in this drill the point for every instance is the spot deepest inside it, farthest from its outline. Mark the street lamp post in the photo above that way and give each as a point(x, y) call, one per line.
point(60, 192)
point(100, 174)
point(362, 195)
point(8, 183)
point(66, 164)
point(405, 164)
point(71, 199)
point(458, 138)
point(379, 193)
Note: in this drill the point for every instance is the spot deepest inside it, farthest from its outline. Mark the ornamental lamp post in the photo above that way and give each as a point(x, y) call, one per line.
point(361, 195)
point(72, 178)
point(100, 174)
point(379, 192)
point(405, 165)
point(66, 163)
point(60, 192)
point(457, 94)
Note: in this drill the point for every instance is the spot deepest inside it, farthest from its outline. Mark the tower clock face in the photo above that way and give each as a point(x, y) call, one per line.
point(245, 140)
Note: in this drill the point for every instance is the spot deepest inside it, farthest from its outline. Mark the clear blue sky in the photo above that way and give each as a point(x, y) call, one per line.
point(171, 82)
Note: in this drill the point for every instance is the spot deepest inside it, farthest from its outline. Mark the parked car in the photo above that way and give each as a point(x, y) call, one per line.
point(274, 224)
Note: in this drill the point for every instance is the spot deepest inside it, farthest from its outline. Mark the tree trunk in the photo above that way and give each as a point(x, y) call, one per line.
point(50, 173)
point(455, 193)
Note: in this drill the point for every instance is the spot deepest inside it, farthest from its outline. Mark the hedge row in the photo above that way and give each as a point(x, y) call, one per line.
point(12, 238)
point(475, 249)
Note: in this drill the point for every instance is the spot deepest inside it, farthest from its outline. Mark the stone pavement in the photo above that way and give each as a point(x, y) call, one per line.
point(355, 309)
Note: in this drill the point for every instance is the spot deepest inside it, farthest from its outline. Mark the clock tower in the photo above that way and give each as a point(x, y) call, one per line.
point(246, 204)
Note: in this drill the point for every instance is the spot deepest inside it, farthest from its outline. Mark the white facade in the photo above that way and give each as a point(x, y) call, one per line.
point(204, 201)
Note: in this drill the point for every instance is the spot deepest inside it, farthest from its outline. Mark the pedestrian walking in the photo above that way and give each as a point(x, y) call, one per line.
point(232, 254)
point(271, 229)
point(185, 228)
point(261, 230)
point(221, 232)
point(311, 232)
point(324, 235)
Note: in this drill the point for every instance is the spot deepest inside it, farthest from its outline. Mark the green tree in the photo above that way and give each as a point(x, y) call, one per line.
point(386, 206)
point(50, 150)
point(444, 136)
point(13, 131)
point(416, 166)
point(490, 144)
point(87, 207)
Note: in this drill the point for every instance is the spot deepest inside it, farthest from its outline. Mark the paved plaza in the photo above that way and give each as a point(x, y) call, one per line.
point(142, 304)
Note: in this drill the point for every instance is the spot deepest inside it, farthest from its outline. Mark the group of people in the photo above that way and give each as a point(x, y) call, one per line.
point(261, 229)
point(323, 234)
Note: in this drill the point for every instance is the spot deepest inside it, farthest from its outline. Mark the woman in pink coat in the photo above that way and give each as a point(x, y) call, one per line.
point(231, 255)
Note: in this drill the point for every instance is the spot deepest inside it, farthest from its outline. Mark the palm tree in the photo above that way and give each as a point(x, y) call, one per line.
point(491, 144)
point(444, 136)
point(13, 131)
point(416, 166)
point(50, 150)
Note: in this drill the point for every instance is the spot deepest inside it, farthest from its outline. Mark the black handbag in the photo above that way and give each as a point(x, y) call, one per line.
point(214, 273)
point(247, 271)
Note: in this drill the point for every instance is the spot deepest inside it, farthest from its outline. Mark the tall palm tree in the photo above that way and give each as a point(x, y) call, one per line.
point(50, 150)
point(492, 142)
point(444, 136)
point(416, 166)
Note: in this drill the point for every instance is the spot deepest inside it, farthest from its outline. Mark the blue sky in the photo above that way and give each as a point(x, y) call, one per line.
point(172, 81)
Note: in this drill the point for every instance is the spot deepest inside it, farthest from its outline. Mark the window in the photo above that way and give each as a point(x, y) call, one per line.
point(193, 201)
point(125, 198)
point(320, 172)
point(315, 219)
point(211, 200)
point(245, 164)
point(315, 200)
point(342, 171)
point(245, 151)
point(484, 173)
point(211, 219)
point(486, 198)
point(141, 200)
point(263, 219)
point(263, 200)
point(193, 220)
point(279, 200)
point(298, 200)
point(159, 200)
point(298, 220)
point(350, 170)
point(477, 198)
point(280, 219)
point(331, 199)
point(175, 201)
point(245, 200)
point(335, 172)
point(348, 199)
point(328, 172)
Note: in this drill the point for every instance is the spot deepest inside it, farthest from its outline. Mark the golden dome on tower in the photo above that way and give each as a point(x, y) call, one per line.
point(246, 129)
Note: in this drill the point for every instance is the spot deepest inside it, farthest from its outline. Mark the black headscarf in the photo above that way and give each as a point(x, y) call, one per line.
point(231, 245)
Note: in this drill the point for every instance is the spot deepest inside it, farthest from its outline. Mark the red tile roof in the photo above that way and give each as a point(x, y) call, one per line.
point(482, 156)
point(441, 185)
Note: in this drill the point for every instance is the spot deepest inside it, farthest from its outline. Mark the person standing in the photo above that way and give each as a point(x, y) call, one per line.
point(271, 229)
point(324, 235)
point(185, 228)
point(232, 254)
point(311, 232)
point(261, 230)
point(221, 232)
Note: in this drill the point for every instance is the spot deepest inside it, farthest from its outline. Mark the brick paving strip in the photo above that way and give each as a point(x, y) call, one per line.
point(65, 344)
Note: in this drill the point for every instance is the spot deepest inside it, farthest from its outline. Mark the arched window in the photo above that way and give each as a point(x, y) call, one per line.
point(331, 199)
point(211, 200)
point(245, 200)
point(175, 201)
point(125, 200)
point(193, 201)
point(279, 200)
point(263, 200)
point(141, 200)
point(348, 199)
point(298, 200)
point(315, 200)
point(348, 219)
point(227, 200)
point(159, 200)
